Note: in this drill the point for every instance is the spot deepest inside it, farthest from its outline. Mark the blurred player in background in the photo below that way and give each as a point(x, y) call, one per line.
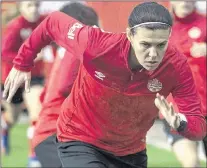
point(58, 87)
point(115, 98)
point(189, 36)
point(201, 7)
point(9, 11)
point(47, 7)
point(17, 31)
point(49, 52)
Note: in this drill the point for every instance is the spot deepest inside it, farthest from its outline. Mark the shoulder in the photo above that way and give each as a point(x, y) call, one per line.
point(56, 15)
point(97, 31)
point(174, 57)
point(16, 23)
point(176, 65)
point(105, 40)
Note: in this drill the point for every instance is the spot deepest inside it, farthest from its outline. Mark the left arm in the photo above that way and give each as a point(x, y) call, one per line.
point(189, 121)
point(188, 101)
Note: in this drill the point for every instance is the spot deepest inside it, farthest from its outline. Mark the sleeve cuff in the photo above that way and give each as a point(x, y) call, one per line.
point(25, 69)
point(183, 123)
point(182, 117)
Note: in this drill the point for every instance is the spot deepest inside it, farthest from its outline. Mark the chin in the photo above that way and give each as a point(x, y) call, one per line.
point(34, 19)
point(150, 68)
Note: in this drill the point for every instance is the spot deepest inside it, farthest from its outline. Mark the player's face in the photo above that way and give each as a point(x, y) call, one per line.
point(30, 10)
point(149, 46)
point(183, 8)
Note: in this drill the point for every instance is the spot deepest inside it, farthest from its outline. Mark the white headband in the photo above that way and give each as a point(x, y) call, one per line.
point(147, 23)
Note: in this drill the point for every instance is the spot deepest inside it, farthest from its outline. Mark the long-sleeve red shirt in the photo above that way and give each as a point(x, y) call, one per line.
point(58, 87)
point(17, 31)
point(110, 106)
point(185, 32)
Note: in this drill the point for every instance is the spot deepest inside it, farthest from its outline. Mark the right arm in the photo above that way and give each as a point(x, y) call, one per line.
point(188, 102)
point(59, 27)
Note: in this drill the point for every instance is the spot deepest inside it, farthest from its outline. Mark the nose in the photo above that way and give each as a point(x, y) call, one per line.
point(34, 9)
point(153, 53)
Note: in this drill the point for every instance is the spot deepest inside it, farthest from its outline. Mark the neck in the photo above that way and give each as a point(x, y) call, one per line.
point(133, 62)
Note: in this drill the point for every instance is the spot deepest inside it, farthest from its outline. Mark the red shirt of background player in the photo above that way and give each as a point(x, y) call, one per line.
point(58, 87)
point(185, 32)
point(17, 31)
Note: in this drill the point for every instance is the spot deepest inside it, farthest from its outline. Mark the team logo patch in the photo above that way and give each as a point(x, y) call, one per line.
point(154, 85)
point(25, 33)
point(194, 33)
point(75, 26)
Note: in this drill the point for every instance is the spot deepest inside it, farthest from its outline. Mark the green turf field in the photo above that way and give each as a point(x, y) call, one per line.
point(18, 157)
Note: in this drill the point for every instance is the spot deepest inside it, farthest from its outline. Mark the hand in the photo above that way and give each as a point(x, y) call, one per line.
point(198, 50)
point(167, 111)
point(13, 81)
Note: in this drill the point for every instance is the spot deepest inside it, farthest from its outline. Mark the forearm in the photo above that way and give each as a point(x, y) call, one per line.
point(65, 91)
point(187, 99)
point(54, 28)
point(196, 128)
point(8, 56)
point(28, 51)
point(43, 35)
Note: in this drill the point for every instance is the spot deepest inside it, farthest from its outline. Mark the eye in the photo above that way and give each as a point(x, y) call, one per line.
point(145, 45)
point(161, 45)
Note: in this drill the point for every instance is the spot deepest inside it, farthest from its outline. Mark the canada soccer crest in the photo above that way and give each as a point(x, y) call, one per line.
point(25, 33)
point(154, 85)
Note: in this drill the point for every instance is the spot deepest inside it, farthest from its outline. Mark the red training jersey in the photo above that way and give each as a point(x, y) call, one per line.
point(17, 31)
point(110, 106)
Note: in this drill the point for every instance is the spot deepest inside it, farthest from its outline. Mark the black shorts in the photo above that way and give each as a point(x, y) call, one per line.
point(47, 154)
point(18, 96)
point(76, 154)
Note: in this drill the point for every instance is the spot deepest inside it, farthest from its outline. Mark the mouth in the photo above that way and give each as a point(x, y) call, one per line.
point(151, 62)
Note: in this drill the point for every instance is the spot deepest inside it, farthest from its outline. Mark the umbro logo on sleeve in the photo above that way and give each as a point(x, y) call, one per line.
point(75, 26)
point(99, 75)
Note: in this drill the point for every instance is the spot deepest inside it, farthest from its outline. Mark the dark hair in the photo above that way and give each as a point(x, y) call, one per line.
point(81, 12)
point(150, 12)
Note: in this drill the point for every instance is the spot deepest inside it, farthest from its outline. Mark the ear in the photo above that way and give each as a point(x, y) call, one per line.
point(128, 33)
point(100, 23)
